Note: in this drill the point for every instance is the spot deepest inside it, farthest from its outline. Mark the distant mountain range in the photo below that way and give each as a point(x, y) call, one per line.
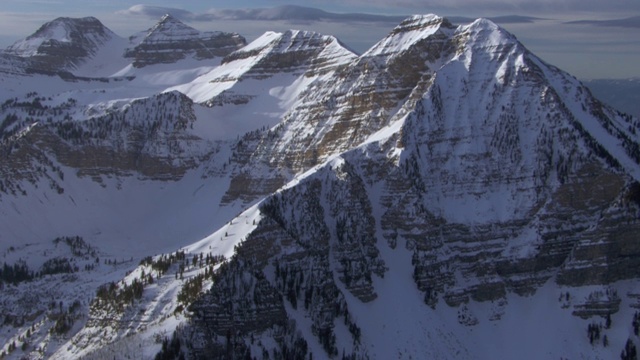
point(623, 95)
point(629, 22)
point(180, 194)
point(294, 13)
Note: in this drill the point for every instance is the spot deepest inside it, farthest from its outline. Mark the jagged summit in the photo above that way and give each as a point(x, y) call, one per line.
point(166, 18)
point(171, 40)
point(408, 32)
point(485, 32)
point(168, 27)
point(419, 21)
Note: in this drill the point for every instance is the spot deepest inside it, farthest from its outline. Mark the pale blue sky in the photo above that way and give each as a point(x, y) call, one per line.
point(587, 50)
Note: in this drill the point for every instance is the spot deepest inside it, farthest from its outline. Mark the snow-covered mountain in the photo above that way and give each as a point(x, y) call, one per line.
point(64, 43)
point(446, 194)
point(84, 47)
point(171, 40)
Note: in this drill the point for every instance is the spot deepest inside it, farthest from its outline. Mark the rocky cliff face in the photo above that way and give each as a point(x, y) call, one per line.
point(485, 167)
point(148, 139)
point(171, 40)
point(274, 73)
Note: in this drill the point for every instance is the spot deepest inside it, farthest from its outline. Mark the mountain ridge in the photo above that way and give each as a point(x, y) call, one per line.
point(86, 48)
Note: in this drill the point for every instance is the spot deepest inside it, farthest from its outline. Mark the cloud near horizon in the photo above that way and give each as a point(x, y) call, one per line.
point(630, 22)
point(280, 13)
point(293, 13)
point(602, 47)
point(156, 12)
point(610, 8)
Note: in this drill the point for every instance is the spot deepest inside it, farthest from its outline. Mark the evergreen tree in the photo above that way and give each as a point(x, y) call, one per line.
point(629, 352)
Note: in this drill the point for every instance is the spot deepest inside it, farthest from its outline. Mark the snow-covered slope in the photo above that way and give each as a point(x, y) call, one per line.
point(466, 193)
point(292, 52)
point(256, 85)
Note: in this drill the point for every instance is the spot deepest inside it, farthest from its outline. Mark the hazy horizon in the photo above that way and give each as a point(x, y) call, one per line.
point(586, 39)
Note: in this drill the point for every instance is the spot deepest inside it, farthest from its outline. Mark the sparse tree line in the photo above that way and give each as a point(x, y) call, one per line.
point(20, 272)
point(311, 281)
point(171, 349)
point(630, 351)
point(118, 295)
point(77, 245)
point(596, 335)
point(20, 114)
point(320, 298)
point(166, 113)
point(232, 280)
point(289, 345)
point(145, 118)
point(630, 146)
point(63, 321)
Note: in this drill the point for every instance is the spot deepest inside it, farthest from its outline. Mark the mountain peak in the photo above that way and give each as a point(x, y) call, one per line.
point(169, 22)
point(416, 22)
point(484, 23)
point(282, 42)
point(486, 31)
point(168, 17)
point(63, 44)
point(170, 26)
point(302, 38)
point(422, 19)
point(170, 40)
point(408, 32)
point(73, 31)
point(69, 21)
